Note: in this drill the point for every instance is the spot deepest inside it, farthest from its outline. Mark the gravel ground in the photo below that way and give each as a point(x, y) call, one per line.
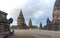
point(35, 33)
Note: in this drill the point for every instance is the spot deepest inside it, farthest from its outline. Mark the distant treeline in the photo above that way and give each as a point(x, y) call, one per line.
point(15, 27)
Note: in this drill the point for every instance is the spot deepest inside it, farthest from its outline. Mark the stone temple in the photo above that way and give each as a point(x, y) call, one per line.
point(56, 15)
point(4, 24)
point(55, 23)
point(21, 21)
point(30, 24)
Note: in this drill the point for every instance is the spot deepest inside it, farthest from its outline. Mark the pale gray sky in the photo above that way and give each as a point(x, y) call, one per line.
point(37, 10)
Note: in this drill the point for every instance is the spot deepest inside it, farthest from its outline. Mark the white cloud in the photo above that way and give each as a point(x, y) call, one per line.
point(8, 5)
point(38, 14)
point(47, 1)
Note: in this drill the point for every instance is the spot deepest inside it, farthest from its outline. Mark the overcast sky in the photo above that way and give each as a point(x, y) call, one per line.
point(37, 10)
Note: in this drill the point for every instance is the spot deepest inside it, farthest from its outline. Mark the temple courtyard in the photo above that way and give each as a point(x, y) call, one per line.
point(35, 33)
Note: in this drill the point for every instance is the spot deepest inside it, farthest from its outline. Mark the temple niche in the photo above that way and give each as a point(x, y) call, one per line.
point(5, 24)
point(21, 21)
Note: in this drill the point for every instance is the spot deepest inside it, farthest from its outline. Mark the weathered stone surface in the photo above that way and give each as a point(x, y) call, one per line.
point(55, 23)
point(57, 3)
point(56, 16)
point(4, 24)
point(21, 21)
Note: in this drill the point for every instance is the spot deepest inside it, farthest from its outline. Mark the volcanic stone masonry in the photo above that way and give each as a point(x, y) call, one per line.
point(4, 24)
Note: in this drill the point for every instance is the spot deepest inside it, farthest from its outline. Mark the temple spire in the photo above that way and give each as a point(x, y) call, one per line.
point(30, 23)
point(48, 20)
point(21, 21)
point(21, 14)
point(40, 25)
point(57, 3)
